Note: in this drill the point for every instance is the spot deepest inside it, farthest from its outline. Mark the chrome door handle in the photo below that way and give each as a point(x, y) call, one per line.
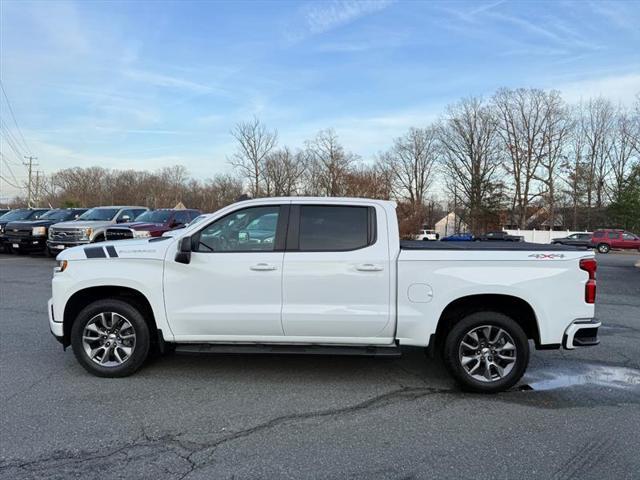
point(369, 267)
point(263, 267)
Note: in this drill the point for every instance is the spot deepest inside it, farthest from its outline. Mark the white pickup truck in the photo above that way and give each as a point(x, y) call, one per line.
point(322, 275)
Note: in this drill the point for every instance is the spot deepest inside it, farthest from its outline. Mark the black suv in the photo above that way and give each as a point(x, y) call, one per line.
point(31, 235)
point(575, 239)
point(15, 215)
point(500, 235)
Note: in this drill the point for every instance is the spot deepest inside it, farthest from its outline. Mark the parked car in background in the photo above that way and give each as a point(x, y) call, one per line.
point(31, 235)
point(575, 239)
point(605, 240)
point(459, 237)
point(500, 235)
point(427, 235)
point(90, 226)
point(152, 224)
point(18, 214)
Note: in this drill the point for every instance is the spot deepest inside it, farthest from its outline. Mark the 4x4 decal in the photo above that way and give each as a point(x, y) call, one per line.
point(547, 256)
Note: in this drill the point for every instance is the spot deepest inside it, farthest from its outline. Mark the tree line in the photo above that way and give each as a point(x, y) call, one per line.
point(521, 157)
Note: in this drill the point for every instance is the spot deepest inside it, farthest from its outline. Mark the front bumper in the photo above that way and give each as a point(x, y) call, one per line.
point(55, 327)
point(581, 333)
point(59, 246)
point(27, 244)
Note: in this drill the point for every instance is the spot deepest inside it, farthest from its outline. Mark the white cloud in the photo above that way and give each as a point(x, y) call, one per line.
point(619, 88)
point(324, 16)
point(161, 80)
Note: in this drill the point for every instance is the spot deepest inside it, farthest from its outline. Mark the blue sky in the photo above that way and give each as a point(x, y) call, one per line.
point(148, 84)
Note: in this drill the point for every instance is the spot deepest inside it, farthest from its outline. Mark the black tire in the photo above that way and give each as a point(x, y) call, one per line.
point(603, 248)
point(51, 253)
point(133, 316)
point(451, 353)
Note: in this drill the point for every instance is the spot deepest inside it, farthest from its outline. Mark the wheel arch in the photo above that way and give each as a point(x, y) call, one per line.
point(86, 296)
point(515, 307)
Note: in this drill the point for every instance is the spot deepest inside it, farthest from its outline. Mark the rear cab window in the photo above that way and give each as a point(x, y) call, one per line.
point(337, 228)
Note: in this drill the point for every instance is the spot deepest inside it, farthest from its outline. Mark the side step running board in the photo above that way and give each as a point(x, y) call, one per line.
point(264, 349)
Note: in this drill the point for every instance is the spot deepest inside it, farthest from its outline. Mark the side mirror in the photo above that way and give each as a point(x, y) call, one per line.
point(183, 255)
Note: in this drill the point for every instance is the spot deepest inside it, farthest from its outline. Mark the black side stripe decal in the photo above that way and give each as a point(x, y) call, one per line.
point(95, 252)
point(112, 251)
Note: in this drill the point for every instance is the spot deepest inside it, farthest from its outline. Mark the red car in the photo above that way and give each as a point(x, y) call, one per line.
point(605, 240)
point(152, 224)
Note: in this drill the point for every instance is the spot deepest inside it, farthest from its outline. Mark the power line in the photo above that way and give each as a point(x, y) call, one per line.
point(15, 179)
point(14, 118)
point(12, 143)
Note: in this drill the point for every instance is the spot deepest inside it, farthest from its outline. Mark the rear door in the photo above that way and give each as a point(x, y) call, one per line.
point(630, 240)
point(336, 273)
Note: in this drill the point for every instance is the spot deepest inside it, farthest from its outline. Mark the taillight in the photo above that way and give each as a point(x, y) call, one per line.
point(590, 266)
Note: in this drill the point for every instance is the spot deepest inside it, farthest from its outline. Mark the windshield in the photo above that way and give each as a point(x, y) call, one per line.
point(17, 214)
point(155, 216)
point(55, 215)
point(98, 214)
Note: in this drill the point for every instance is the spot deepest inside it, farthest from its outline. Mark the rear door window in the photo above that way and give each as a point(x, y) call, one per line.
point(614, 235)
point(333, 228)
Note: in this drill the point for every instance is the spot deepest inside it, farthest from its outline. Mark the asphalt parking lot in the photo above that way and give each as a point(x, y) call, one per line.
point(575, 415)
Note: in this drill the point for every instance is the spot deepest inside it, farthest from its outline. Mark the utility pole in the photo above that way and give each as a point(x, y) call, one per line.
point(30, 166)
point(36, 195)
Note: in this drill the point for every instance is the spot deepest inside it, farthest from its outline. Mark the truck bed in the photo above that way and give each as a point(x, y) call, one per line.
point(486, 245)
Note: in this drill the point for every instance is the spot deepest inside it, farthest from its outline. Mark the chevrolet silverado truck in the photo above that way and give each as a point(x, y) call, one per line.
point(322, 275)
point(31, 235)
point(16, 215)
point(89, 227)
point(152, 223)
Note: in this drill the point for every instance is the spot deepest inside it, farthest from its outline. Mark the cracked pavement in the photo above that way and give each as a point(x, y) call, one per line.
point(225, 416)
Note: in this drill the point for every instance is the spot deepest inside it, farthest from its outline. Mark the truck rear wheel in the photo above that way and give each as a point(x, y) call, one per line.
point(486, 352)
point(110, 338)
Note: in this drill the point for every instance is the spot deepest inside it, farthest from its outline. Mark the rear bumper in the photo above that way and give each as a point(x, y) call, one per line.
point(582, 333)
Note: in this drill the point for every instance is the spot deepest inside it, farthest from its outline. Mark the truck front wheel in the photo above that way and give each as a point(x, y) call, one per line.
point(486, 352)
point(110, 338)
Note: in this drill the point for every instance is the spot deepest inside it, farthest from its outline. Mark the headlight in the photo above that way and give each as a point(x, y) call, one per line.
point(39, 231)
point(62, 266)
point(86, 233)
point(141, 233)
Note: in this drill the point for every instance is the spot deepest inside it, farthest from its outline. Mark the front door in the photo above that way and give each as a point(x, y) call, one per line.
point(337, 271)
point(233, 285)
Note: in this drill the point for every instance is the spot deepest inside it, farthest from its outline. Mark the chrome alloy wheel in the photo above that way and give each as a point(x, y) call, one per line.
point(109, 339)
point(487, 353)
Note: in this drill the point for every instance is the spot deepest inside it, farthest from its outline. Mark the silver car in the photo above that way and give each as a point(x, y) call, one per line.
point(90, 226)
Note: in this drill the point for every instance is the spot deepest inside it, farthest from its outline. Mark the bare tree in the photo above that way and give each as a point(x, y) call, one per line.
point(623, 149)
point(597, 120)
point(255, 143)
point(411, 162)
point(369, 181)
point(283, 171)
point(523, 125)
point(329, 164)
point(471, 157)
point(557, 130)
point(574, 168)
